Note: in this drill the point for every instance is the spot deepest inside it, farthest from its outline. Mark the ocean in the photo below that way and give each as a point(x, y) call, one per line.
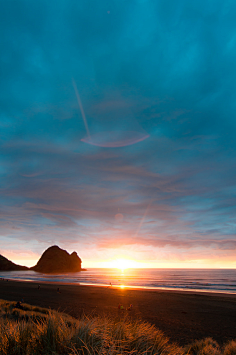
point(204, 280)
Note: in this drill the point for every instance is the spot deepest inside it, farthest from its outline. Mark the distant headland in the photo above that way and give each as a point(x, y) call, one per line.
point(7, 265)
point(53, 260)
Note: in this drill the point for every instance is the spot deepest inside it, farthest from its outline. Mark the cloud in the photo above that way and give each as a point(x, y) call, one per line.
point(163, 69)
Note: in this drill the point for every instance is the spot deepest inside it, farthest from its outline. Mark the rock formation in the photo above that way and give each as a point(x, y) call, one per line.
point(57, 260)
point(7, 265)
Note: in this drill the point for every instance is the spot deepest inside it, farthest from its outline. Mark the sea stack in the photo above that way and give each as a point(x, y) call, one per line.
point(56, 260)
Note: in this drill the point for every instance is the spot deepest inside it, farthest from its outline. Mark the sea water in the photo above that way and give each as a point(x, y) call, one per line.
point(208, 280)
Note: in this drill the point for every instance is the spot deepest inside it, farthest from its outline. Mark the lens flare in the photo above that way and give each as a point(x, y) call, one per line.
point(115, 139)
point(115, 136)
point(119, 217)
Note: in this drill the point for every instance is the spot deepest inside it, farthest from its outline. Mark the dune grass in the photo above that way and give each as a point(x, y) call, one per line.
point(39, 331)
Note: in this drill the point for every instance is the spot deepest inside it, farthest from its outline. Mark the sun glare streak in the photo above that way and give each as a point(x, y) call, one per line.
point(142, 220)
point(81, 108)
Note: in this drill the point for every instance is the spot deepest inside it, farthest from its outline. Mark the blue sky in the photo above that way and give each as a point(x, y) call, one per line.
point(153, 177)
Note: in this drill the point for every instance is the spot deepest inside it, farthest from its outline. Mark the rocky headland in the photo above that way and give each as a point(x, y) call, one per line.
point(53, 260)
point(57, 260)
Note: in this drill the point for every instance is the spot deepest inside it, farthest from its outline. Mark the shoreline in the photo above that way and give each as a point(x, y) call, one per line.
point(140, 288)
point(182, 316)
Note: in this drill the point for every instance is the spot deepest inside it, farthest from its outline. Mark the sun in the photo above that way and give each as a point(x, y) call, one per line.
point(123, 264)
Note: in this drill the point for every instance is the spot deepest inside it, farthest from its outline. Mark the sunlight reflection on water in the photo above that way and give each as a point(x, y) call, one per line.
point(221, 280)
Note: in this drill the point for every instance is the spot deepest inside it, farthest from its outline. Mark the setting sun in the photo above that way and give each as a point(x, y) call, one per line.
point(123, 264)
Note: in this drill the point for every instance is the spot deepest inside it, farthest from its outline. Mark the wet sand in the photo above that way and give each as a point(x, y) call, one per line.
point(182, 316)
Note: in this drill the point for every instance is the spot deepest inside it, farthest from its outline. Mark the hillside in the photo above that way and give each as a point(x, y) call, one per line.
point(7, 265)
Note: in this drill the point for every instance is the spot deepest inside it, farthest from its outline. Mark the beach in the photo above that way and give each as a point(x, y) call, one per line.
point(182, 316)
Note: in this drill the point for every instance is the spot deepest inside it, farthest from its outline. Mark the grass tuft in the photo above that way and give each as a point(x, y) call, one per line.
point(38, 331)
point(207, 346)
point(230, 348)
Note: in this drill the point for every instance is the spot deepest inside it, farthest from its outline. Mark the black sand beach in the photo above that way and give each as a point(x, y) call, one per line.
point(182, 316)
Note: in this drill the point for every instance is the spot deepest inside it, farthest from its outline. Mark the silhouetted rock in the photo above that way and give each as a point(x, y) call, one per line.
point(7, 265)
point(57, 260)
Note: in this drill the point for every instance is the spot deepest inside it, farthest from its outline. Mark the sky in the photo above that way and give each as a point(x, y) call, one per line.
point(117, 131)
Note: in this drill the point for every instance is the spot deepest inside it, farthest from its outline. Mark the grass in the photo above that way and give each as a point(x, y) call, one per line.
point(39, 331)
